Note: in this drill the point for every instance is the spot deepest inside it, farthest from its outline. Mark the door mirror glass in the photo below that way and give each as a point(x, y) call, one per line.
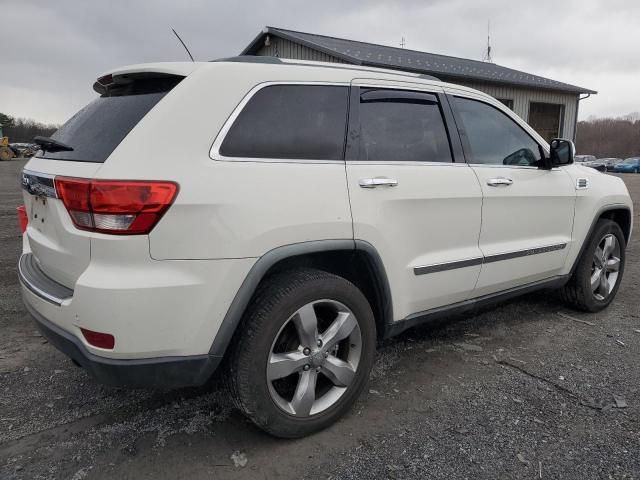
point(562, 152)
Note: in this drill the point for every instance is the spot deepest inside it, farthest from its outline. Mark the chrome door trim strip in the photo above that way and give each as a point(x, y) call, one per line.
point(524, 253)
point(442, 267)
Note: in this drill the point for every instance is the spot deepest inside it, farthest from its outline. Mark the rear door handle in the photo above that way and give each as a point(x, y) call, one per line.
point(377, 182)
point(499, 182)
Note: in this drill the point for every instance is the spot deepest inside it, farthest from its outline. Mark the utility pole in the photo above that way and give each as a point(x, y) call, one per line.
point(403, 42)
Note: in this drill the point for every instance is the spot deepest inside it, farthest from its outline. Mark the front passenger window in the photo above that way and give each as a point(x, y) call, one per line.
point(493, 137)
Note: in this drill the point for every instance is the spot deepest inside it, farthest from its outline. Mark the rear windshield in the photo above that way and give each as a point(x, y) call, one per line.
point(96, 130)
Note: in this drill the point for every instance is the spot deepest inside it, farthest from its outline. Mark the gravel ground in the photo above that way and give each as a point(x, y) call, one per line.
point(529, 389)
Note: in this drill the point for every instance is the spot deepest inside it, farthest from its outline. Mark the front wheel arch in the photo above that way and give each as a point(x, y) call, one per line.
point(620, 214)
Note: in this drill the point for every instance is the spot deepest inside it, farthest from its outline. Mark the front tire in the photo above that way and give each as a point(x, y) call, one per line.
point(597, 276)
point(303, 352)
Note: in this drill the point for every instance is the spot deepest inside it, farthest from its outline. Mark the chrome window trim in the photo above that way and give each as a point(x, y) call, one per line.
point(498, 257)
point(214, 152)
point(520, 167)
point(406, 163)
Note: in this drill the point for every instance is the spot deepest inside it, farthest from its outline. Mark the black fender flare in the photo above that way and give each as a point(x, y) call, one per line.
point(260, 268)
point(596, 217)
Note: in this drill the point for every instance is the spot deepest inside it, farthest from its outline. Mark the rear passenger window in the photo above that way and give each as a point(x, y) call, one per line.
point(398, 125)
point(290, 122)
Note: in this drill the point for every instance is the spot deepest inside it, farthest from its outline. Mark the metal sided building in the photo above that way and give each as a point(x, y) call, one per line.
point(549, 106)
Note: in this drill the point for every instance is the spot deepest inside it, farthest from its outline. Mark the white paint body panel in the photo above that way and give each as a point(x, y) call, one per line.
point(166, 294)
point(535, 211)
point(432, 216)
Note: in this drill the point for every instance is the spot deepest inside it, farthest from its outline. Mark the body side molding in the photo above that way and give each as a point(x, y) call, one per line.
point(442, 267)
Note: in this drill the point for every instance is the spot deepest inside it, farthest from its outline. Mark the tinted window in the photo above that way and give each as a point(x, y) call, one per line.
point(96, 130)
point(495, 138)
point(290, 121)
point(402, 126)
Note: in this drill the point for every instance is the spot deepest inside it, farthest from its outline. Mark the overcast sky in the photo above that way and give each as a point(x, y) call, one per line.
point(53, 50)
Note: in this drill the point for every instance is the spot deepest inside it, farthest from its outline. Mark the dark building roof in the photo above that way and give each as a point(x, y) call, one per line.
point(442, 66)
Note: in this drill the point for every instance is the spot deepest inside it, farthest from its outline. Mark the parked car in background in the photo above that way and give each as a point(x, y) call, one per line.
point(584, 158)
point(599, 165)
point(309, 210)
point(630, 165)
point(609, 163)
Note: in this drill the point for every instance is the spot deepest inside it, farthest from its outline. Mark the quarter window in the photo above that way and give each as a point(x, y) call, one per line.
point(398, 125)
point(291, 122)
point(493, 137)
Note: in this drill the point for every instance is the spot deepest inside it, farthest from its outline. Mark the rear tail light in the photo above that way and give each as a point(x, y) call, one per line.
point(121, 207)
point(98, 339)
point(23, 220)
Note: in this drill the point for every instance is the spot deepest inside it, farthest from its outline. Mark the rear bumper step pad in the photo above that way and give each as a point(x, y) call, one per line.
point(33, 278)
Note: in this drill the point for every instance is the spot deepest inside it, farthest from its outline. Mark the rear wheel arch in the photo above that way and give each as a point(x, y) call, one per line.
point(356, 261)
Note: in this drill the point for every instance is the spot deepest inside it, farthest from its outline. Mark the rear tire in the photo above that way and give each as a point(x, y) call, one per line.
point(604, 255)
point(281, 374)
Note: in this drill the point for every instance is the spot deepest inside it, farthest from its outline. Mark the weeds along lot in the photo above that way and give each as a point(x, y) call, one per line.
point(528, 389)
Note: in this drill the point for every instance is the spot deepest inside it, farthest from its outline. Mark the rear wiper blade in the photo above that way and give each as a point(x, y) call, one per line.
point(51, 145)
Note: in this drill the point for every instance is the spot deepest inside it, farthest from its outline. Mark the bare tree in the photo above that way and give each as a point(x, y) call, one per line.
point(609, 137)
point(22, 130)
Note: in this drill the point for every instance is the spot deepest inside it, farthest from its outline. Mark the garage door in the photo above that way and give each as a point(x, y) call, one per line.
point(546, 119)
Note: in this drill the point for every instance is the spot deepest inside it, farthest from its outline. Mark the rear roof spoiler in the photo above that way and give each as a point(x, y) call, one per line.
point(144, 70)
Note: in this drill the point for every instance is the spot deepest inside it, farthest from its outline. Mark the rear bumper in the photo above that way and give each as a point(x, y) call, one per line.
point(164, 316)
point(162, 372)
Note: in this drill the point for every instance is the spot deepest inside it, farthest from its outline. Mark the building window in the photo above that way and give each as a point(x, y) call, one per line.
point(546, 119)
point(507, 102)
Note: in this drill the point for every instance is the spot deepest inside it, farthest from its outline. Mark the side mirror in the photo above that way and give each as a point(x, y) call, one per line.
point(562, 152)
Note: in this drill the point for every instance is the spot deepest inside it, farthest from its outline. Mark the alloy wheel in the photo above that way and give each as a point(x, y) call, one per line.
point(605, 267)
point(314, 358)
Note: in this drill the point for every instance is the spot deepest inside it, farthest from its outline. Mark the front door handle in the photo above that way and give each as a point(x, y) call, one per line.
point(499, 182)
point(377, 182)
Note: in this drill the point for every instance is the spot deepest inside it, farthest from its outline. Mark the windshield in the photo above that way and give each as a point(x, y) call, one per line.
point(631, 160)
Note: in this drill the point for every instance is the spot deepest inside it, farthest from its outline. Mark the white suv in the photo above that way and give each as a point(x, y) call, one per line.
point(284, 216)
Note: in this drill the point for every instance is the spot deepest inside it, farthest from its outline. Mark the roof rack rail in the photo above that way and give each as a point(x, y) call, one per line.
point(249, 59)
point(295, 61)
point(424, 76)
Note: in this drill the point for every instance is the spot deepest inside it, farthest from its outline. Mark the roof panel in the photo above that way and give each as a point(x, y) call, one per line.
point(362, 53)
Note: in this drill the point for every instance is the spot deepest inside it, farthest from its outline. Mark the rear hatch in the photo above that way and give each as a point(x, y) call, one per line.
point(62, 251)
